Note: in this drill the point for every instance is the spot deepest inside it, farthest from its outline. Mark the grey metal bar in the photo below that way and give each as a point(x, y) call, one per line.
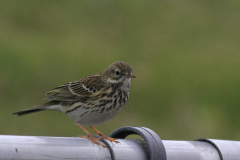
point(49, 148)
point(190, 150)
point(42, 148)
point(227, 149)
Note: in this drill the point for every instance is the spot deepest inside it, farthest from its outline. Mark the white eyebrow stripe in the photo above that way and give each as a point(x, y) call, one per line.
point(111, 81)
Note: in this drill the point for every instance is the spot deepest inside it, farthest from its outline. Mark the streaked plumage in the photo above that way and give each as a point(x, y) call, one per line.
point(92, 100)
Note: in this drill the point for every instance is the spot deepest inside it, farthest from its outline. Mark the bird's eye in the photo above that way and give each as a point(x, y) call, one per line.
point(117, 73)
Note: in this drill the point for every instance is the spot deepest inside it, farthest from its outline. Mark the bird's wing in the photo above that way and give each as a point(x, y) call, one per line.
point(77, 90)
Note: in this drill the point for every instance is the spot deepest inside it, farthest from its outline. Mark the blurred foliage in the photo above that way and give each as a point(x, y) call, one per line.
point(185, 55)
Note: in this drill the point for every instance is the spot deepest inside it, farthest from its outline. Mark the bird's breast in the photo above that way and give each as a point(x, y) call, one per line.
point(100, 110)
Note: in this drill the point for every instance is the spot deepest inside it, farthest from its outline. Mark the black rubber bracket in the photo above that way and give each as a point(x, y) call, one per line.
point(107, 145)
point(153, 141)
point(213, 144)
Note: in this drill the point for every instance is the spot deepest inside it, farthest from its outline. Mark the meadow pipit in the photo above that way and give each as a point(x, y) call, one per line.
point(91, 100)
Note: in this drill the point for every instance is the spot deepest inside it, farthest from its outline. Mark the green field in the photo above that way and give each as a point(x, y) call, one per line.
point(185, 54)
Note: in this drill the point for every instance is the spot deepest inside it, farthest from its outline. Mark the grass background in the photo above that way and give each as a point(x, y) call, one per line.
point(185, 55)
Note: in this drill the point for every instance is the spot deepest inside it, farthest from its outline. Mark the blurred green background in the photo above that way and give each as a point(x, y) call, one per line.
point(185, 55)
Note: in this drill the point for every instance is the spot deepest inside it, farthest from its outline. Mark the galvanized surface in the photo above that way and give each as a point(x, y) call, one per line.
point(190, 150)
point(49, 148)
point(229, 150)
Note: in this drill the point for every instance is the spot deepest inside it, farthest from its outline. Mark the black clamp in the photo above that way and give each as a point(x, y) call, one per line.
point(107, 145)
point(153, 141)
point(215, 145)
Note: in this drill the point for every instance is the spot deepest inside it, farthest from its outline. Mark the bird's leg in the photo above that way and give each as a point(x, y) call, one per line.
point(90, 136)
point(102, 135)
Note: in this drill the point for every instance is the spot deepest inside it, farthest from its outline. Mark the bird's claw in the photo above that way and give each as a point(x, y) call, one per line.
point(94, 140)
point(109, 138)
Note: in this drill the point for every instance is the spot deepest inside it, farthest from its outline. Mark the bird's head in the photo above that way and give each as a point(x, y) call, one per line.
point(118, 72)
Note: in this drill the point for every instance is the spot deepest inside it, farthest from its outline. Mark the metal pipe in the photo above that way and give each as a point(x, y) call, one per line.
point(150, 148)
point(49, 148)
point(190, 150)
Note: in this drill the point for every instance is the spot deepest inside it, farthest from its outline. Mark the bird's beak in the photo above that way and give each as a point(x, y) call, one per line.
point(130, 76)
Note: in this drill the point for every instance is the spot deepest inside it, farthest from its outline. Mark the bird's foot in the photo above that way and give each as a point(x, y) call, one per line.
point(94, 140)
point(108, 138)
point(103, 136)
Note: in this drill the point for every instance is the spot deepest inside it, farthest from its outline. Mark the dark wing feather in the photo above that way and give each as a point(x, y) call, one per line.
point(61, 89)
point(77, 90)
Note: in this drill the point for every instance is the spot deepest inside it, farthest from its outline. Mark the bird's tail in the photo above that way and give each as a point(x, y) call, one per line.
point(46, 106)
point(27, 111)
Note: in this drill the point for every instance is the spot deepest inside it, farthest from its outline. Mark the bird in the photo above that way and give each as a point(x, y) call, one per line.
point(92, 100)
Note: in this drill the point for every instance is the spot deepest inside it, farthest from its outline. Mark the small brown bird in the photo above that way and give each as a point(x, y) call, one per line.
point(92, 100)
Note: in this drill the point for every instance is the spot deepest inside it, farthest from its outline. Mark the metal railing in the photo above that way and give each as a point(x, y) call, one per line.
point(150, 147)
